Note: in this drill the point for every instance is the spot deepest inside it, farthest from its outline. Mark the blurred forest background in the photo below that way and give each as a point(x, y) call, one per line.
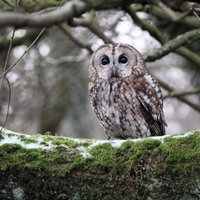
point(49, 82)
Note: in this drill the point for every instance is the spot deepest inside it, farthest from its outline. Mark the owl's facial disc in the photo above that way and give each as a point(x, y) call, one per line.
point(114, 61)
point(114, 66)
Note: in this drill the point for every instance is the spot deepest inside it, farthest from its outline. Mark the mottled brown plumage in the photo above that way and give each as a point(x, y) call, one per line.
point(125, 97)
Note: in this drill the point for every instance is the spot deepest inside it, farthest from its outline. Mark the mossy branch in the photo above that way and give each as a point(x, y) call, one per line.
point(52, 167)
point(174, 44)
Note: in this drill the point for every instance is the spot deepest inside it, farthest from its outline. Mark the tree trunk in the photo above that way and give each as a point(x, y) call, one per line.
point(52, 167)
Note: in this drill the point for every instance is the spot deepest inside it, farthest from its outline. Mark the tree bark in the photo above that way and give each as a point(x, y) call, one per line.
point(54, 167)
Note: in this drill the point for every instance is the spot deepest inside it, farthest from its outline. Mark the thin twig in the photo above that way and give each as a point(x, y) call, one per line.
point(5, 66)
point(4, 77)
point(193, 10)
point(26, 39)
point(25, 52)
point(196, 15)
point(7, 57)
point(8, 106)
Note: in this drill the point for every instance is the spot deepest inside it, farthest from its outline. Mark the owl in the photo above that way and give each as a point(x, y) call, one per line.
point(125, 97)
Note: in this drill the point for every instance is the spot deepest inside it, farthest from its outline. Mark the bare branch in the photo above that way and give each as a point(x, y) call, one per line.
point(153, 31)
point(157, 34)
point(8, 3)
point(183, 99)
point(88, 21)
point(9, 101)
point(66, 12)
point(4, 77)
point(7, 57)
point(26, 39)
point(66, 30)
point(192, 7)
point(98, 31)
point(178, 18)
point(174, 44)
point(190, 55)
point(14, 64)
point(177, 93)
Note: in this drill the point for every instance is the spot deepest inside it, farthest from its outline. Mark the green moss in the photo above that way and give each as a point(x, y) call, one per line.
point(33, 5)
point(135, 170)
point(121, 159)
point(7, 155)
point(175, 155)
point(50, 3)
point(68, 143)
point(1, 136)
point(182, 154)
point(103, 155)
point(27, 140)
point(11, 134)
point(10, 148)
point(60, 160)
point(137, 150)
point(85, 143)
point(61, 148)
point(44, 143)
point(28, 5)
point(58, 140)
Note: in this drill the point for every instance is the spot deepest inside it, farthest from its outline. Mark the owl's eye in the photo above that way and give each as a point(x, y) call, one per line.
point(105, 60)
point(123, 59)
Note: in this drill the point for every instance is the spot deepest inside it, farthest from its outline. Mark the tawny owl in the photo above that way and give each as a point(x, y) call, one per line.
point(125, 97)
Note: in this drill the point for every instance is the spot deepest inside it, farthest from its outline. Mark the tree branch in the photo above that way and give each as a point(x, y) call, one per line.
point(54, 167)
point(178, 93)
point(88, 21)
point(27, 38)
point(66, 30)
point(69, 10)
point(24, 53)
point(157, 34)
point(178, 18)
point(183, 99)
point(143, 24)
point(174, 44)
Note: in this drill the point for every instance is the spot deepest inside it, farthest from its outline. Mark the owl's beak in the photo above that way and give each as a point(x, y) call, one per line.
point(114, 73)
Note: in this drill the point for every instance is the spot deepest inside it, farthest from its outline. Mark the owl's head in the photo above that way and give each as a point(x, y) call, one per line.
point(115, 61)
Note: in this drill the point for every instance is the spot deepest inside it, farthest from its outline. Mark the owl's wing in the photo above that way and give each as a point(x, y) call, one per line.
point(153, 115)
